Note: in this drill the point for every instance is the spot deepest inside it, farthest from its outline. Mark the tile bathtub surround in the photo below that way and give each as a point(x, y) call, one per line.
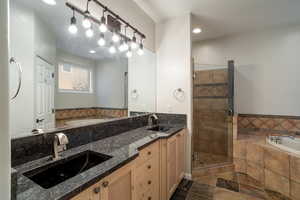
point(33, 147)
point(274, 123)
point(275, 169)
point(63, 115)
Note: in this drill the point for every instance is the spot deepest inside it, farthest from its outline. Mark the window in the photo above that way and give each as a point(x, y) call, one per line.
point(74, 78)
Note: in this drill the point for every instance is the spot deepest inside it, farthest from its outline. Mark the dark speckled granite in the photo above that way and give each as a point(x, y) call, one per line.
point(123, 147)
point(26, 149)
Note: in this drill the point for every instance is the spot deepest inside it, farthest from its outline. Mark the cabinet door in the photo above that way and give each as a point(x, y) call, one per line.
point(92, 193)
point(180, 142)
point(171, 166)
point(119, 185)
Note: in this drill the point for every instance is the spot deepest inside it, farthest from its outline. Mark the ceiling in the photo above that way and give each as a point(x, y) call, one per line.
point(218, 18)
point(57, 18)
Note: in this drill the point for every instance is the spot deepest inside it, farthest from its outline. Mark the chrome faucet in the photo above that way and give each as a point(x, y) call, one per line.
point(59, 144)
point(152, 120)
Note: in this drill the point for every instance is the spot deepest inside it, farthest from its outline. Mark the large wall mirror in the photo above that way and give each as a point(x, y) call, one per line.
point(69, 79)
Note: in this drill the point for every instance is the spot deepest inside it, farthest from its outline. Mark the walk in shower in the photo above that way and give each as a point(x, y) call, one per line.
point(213, 91)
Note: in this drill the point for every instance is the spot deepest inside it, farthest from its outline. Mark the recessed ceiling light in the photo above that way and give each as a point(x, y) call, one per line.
point(50, 2)
point(197, 30)
point(92, 51)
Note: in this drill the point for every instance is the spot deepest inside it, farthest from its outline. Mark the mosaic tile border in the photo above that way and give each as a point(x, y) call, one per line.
point(272, 123)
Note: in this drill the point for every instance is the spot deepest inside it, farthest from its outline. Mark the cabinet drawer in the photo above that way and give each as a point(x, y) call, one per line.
point(147, 153)
point(147, 176)
point(151, 194)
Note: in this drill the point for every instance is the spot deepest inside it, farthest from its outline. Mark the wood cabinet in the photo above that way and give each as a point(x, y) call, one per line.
point(147, 182)
point(153, 175)
point(172, 163)
point(119, 185)
point(92, 193)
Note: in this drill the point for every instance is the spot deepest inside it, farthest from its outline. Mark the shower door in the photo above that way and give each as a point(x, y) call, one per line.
point(213, 109)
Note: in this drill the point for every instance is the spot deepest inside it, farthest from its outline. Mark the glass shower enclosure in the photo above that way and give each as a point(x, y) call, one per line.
point(213, 108)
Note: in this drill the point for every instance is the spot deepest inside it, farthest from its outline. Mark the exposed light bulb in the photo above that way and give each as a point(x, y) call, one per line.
point(140, 52)
point(103, 27)
point(73, 28)
point(133, 43)
point(89, 33)
point(122, 46)
point(101, 41)
point(50, 2)
point(92, 51)
point(125, 46)
point(112, 49)
point(115, 38)
point(86, 22)
point(129, 53)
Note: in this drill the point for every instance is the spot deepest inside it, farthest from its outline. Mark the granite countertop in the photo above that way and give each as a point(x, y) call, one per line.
point(123, 148)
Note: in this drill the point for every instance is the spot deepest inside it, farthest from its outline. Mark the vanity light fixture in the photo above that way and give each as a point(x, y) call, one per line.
point(133, 43)
point(50, 2)
point(89, 32)
point(86, 22)
point(112, 49)
point(101, 41)
point(73, 28)
point(110, 21)
point(103, 27)
point(129, 53)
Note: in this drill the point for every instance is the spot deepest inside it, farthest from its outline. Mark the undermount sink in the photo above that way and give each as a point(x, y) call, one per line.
point(59, 171)
point(159, 128)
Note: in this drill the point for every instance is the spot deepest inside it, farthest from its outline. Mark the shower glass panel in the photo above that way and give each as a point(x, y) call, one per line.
point(212, 115)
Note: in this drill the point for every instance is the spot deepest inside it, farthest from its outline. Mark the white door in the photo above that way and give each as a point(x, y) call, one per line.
point(44, 94)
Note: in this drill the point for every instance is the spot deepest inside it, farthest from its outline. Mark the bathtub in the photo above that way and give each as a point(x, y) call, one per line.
point(286, 143)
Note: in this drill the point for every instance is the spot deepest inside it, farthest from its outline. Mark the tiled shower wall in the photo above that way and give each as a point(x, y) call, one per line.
point(210, 104)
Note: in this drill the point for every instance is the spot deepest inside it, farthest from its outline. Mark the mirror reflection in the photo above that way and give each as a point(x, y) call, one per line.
point(72, 77)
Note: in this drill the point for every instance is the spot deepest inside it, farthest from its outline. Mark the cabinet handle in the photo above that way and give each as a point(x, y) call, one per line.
point(105, 183)
point(149, 152)
point(149, 166)
point(149, 182)
point(96, 190)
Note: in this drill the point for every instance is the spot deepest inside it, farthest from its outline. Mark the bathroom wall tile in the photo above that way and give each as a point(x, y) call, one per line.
point(240, 165)
point(255, 154)
point(277, 161)
point(277, 183)
point(295, 168)
point(256, 171)
point(295, 190)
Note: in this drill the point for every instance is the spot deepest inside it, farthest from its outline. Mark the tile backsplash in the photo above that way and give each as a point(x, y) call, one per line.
point(271, 123)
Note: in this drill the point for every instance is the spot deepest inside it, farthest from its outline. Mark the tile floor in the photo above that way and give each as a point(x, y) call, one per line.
point(202, 159)
point(225, 186)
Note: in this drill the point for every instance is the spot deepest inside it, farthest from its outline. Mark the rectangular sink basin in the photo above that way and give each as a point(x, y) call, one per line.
point(159, 128)
point(59, 171)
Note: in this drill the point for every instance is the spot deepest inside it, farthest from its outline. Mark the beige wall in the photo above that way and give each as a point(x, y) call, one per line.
point(130, 11)
point(173, 50)
point(4, 134)
point(267, 72)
